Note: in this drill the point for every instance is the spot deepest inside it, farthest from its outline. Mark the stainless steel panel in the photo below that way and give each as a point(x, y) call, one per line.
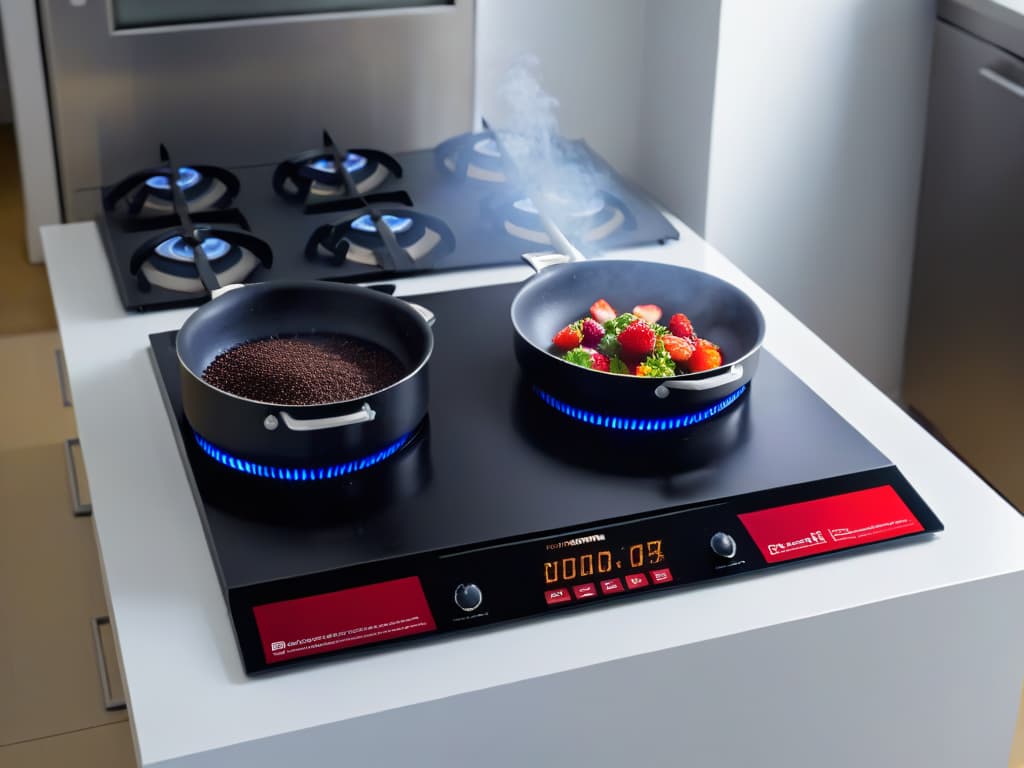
point(128, 14)
point(965, 355)
point(242, 94)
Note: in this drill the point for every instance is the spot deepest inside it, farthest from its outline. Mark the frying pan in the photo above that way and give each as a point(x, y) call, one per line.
point(303, 436)
point(561, 294)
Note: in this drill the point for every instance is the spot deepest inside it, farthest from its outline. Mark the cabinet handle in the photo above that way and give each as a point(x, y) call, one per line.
point(62, 379)
point(1002, 81)
point(109, 702)
point(78, 507)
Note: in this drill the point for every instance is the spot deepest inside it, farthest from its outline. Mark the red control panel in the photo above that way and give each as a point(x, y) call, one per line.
point(824, 525)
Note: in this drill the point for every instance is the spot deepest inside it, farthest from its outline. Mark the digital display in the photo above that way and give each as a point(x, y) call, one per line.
point(602, 561)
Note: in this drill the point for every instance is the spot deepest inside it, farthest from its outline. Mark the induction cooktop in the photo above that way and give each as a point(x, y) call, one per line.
point(503, 507)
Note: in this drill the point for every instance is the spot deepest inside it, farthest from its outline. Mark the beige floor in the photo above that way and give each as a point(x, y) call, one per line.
point(25, 310)
point(50, 713)
point(24, 292)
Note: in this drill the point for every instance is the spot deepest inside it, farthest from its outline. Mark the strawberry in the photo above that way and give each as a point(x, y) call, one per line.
point(568, 338)
point(593, 332)
point(600, 362)
point(637, 339)
point(680, 325)
point(679, 349)
point(649, 312)
point(705, 356)
point(602, 311)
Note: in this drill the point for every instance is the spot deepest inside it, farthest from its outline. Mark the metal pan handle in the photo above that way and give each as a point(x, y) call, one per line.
point(546, 259)
point(423, 312)
point(364, 414)
point(699, 385)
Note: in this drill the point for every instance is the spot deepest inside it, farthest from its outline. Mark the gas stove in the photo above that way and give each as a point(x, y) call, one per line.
point(177, 231)
point(507, 505)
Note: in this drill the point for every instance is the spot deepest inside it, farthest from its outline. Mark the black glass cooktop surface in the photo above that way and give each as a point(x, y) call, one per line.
point(494, 463)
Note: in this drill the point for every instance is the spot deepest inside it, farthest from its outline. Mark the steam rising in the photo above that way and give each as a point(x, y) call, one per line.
point(557, 176)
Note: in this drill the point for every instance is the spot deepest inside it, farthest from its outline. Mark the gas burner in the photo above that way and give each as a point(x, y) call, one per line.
point(301, 474)
point(590, 219)
point(631, 424)
point(148, 196)
point(392, 239)
point(199, 262)
point(321, 177)
point(474, 156)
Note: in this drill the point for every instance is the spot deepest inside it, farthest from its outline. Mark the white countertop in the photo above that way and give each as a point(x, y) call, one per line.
point(186, 690)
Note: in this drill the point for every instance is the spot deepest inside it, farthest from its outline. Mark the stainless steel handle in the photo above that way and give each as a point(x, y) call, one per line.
point(78, 507)
point(109, 702)
point(217, 292)
point(1002, 81)
point(62, 379)
point(425, 313)
point(698, 385)
point(364, 414)
point(544, 260)
point(558, 239)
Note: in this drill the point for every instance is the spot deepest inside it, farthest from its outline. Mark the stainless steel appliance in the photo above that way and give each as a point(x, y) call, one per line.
point(964, 370)
point(338, 212)
point(242, 90)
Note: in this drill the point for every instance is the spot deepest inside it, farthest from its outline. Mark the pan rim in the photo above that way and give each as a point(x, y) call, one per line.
point(398, 304)
point(547, 272)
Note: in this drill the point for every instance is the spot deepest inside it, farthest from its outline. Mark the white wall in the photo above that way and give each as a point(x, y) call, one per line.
point(674, 120)
point(591, 58)
point(36, 161)
point(816, 153)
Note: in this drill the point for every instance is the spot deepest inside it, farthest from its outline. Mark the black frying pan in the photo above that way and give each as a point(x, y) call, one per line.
point(304, 436)
point(563, 293)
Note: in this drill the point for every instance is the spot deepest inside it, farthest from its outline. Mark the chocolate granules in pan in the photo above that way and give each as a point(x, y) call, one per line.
point(304, 370)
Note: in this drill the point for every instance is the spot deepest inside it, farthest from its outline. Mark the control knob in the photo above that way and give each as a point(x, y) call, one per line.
point(723, 545)
point(468, 597)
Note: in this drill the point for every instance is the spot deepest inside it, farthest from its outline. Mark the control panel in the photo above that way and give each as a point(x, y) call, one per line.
point(601, 564)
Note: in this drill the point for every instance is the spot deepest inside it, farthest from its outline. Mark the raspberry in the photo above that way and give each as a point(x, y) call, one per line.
point(593, 332)
point(637, 339)
point(680, 325)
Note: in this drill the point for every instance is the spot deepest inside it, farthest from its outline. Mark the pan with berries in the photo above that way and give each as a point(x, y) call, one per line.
point(637, 339)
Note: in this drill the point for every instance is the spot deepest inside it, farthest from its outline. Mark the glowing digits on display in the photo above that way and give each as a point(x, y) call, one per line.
point(600, 563)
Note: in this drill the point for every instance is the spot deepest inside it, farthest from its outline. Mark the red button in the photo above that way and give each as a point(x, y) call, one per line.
point(584, 590)
point(611, 586)
point(554, 596)
point(636, 580)
point(661, 576)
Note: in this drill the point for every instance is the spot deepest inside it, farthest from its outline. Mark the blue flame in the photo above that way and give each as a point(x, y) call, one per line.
point(353, 163)
point(640, 425)
point(176, 248)
point(187, 177)
point(365, 223)
point(299, 473)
